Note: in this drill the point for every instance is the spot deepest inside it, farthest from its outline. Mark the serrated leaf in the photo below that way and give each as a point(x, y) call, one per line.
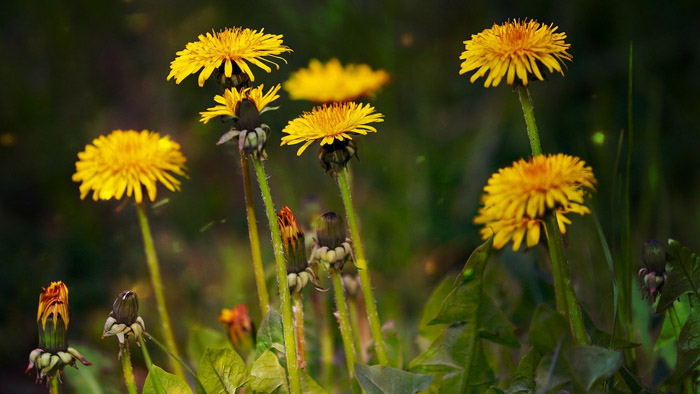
point(309, 385)
point(202, 338)
point(270, 335)
point(688, 346)
point(379, 379)
point(172, 384)
point(430, 310)
point(547, 328)
point(683, 276)
point(590, 364)
point(267, 375)
point(222, 371)
point(524, 378)
point(494, 325)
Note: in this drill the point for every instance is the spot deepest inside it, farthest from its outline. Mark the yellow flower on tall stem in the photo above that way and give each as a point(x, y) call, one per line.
point(516, 198)
point(229, 51)
point(333, 82)
point(516, 50)
point(331, 123)
point(122, 164)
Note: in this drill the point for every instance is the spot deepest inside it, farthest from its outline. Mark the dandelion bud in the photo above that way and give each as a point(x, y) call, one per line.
point(237, 79)
point(292, 241)
point(330, 230)
point(653, 276)
point(126, 308)
point(335, 156)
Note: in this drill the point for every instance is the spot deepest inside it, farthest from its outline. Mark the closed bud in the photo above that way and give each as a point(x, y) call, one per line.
point(330, 230)
point(653, 276)
point(292, 241)
point(237, 79)
point(126, 308)
point(335, 156)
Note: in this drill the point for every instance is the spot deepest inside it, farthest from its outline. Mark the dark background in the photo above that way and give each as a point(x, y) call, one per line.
point(73, 70)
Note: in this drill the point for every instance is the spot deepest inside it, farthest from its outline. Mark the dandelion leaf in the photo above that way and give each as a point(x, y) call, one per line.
point(688, 346)
point(380, 379)
point(683, 276)
point(267, 375)
point(270, 334)
point(222, 371)
point(158, 381)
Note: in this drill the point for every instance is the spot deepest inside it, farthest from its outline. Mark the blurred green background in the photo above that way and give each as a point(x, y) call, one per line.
point(74, 70)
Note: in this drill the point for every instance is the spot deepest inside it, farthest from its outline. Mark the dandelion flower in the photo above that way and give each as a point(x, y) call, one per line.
point(514, 49)
point(516, 198)
point(229, 102)
point(124, 161)
point(331, 82)
point(329, 123)
point(53, 302)
point(234, 48)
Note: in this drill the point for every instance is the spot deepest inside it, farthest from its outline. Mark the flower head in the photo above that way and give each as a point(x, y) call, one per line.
point(516, 198)
point(231, 48)
point(329, 123)
point(331, 82)
point(229, 103)
point(124, 161)
point(238, 322)
point(332, 247)
point(53, 303)
point(124, 320)
point(514, 49)
point(292, 240)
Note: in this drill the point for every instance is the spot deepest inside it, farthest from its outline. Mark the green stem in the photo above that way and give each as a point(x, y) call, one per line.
point(263, 297)
point(128, 370)
point(355, 325)
point(53, 385)
point(146, 354)
point(285, 301)
point(152, 262)
point(178, 360)
point(363, 271)
point(298, 309)
point(344, 322)
point(533, 135)
point(567, 303)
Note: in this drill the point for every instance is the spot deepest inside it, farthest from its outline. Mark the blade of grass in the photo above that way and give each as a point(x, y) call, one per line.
point(611, 267)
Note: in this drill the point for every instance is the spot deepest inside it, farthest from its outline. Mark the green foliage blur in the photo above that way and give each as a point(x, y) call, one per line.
point(74, 70)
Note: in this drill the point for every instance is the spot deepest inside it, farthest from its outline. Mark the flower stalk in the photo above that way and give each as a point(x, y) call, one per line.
point(363, 271)
point(298, 309)
point(154, 270)
point(128, 370)
point(281, 268)
point(528, 113)
point(344, 322)
point(254, 237)
point(355, 326)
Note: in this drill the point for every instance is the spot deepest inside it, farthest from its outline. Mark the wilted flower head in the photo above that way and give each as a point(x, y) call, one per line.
point(331, 82)
point(125, 161)
point(238, 323)
point(653, 275)
point(53, 354)
point(124, 319)
point(516, 198)
point(229, 51)
point(515, 50)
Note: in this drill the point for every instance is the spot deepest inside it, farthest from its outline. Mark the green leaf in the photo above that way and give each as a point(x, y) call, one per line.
point(222, 371)
point(309, 386)
point(688, 346)
point(172, 384)
point(683, 276)
point(494, 325)
point(267, 375)
point(589, 364)
point(202, 338)
point(426, 331)
point(547, 328)
point(379, 379)
point(524, 378)
point(668, 333)
point(270, 334)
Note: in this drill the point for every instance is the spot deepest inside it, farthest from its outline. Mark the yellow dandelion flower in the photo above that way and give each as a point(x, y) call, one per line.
point(516, 198)
point(228, 103)
point(331, 82)
point(328, 123)
point(124, 161)
point(234, 48)
point(53, 302)
point(514, 49)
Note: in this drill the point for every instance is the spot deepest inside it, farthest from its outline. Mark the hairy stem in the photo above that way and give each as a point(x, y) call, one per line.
point(533, 135)
point(154, 270)
point(285, 301)
point(298, 309)
point(363, 272)
point(128, 369)
point(355, 325)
